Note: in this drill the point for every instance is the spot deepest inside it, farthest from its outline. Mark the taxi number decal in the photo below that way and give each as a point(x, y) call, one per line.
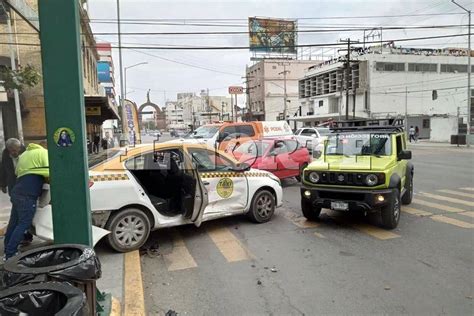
point(225, 187)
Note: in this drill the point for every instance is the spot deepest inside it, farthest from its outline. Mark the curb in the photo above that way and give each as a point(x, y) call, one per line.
point(133, 298)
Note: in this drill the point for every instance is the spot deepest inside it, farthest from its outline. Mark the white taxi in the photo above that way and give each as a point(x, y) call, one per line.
point(154, 186)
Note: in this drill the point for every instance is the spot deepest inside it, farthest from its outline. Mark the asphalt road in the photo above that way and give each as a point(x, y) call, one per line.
point(340, 265)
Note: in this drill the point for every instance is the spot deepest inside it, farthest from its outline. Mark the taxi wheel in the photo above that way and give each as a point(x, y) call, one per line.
point(129, 229)
point(263, 207)
point(391, 212)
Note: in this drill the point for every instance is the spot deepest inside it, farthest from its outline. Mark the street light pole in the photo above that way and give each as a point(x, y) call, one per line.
point(122, 88)
point(125, 76)
point(469, 70)
point(285, 97)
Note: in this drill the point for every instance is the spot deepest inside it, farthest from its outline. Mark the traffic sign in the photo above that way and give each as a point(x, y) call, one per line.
point(236, 90)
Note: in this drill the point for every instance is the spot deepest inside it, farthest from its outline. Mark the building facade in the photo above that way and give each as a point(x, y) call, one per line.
point(265, 85)
point(428, 86)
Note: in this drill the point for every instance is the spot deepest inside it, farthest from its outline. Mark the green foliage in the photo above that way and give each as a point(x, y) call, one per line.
point(19, 79)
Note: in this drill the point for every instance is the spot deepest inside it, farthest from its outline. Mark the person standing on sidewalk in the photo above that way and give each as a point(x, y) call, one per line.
point(96, 146)
point(411, 133)
point(10, 155)
point(32, 171)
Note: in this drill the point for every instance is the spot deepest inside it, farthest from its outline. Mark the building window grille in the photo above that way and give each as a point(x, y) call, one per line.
point(453, 68)
point(379, 66)
point(422, 67)
point(426, 123)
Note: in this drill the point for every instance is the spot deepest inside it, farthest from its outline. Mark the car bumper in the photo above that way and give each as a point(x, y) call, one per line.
point(365, 200)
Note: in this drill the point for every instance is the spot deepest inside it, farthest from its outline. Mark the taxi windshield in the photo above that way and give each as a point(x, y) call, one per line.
point(204, 132)
point(359, 144)
point(253, 148)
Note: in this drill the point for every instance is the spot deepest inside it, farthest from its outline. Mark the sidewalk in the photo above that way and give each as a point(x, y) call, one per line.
point(427, 143)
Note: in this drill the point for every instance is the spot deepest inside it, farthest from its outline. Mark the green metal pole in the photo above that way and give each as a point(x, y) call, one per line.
point(64, 105)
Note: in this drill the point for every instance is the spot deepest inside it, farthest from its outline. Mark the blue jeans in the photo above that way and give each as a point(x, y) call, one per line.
point(21, 218)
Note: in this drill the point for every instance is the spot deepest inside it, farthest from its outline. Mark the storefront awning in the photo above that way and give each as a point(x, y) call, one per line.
point(100, 109)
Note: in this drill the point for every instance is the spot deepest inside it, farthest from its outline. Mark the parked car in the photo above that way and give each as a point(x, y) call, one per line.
point(285, 158)
point(311, 137)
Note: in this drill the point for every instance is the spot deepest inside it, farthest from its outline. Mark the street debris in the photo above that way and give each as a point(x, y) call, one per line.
point(259, 282)
point(171, 313)
point(387, 288)
point(274, 269)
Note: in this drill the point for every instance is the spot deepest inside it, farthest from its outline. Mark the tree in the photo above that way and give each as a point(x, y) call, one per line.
point(20, 78)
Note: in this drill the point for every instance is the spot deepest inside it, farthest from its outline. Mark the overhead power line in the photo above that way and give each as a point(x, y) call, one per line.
point(168, 47)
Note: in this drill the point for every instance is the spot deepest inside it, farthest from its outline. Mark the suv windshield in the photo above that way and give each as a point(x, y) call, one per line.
point(204, 132)
point(359, 144)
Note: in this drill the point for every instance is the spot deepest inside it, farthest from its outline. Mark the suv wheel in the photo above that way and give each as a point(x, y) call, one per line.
point(391, 212)
point(408, 196)
point(129, 229)
point(263, 207)
point(309, 211)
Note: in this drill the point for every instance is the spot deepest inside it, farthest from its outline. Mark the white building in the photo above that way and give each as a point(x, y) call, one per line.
point(266, 86)
point(430, 86)
point(174, 115)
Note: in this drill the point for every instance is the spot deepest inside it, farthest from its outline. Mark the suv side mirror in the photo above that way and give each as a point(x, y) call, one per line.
point(404, 155)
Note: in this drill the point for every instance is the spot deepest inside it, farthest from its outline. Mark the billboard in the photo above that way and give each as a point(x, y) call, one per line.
point(272, 35)
point(130, 122)
point(103, 72)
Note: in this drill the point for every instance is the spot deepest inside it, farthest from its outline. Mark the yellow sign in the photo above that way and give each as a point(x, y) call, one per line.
point(225, 188)
point(93, 111)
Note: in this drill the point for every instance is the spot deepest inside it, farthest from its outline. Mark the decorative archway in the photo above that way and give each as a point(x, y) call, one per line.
point(160, 116)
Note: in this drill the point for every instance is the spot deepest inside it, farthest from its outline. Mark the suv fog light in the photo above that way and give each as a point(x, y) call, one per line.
point(307, 194)
point(380, 198)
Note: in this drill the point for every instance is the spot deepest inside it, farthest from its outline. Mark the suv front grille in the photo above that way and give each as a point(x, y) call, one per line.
point(344, 178)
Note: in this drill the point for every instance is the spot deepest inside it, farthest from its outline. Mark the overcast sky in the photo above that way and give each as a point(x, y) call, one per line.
point(165, 78)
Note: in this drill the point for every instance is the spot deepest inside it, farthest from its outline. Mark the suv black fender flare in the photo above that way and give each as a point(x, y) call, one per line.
point(395, 182)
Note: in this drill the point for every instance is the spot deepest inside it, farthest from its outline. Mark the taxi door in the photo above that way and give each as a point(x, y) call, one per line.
point(227, 189)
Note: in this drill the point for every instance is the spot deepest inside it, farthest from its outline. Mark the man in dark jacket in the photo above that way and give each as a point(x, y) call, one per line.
point(13, 150)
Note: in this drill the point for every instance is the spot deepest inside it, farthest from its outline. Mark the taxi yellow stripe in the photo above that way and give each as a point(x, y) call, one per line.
point(447, 199)
point(438, 206)
point(229, 246)
point(463, 194)
point(452, 221)
point(179, 258)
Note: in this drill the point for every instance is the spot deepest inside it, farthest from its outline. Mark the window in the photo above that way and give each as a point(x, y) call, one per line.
point(415, 67)
point(399, 144)
point(207, 160)
point(279, 148)
point(453, 68)
point(245, 130)
point(320, 103)
point(426, 123)
point(291, 145)
point(228, 131)
point(379, 66)
point(308, 132)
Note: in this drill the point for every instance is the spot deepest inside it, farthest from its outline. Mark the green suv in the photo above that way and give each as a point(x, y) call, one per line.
point(360, 168)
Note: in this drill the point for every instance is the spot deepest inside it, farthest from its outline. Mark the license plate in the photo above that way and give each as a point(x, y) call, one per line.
point(340, 206)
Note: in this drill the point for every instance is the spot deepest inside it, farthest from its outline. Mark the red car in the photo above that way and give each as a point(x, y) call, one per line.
point(283, 157)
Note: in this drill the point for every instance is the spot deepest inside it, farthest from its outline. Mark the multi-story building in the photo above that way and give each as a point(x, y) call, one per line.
point(98, 107)
point(429, 86)
point(174, 115)
point(266, 81)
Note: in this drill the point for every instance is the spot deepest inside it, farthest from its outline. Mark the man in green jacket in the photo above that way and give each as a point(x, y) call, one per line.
point(32, 171)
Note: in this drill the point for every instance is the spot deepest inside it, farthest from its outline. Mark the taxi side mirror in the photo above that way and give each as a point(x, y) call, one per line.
point(404, 155)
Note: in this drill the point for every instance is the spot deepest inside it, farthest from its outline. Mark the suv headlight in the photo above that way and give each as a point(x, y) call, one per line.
point(313, 177)
point(371, 180)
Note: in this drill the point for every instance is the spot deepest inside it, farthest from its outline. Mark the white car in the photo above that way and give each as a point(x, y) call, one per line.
point(311, 137)
point(173, 184)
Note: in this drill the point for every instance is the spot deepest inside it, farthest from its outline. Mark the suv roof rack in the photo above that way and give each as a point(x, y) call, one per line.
point(388, 124)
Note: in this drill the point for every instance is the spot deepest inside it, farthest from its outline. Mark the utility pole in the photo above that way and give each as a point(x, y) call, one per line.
point(122, 88)
point(406, 109)
point(16, 95)
point(285, 96)
point(348, 71)
point(469, 70)
point(232, 106)
point(222, 111)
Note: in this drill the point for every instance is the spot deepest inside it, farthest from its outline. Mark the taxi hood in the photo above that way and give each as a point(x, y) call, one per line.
point(354, 163)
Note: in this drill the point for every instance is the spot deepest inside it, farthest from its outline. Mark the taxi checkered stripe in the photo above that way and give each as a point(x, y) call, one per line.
point(109, 177)
point(232, 174)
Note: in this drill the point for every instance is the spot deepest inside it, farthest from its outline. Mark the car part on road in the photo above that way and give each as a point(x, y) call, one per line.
point(391, 211)
point(50, 298)
point(129, 228)
point(263, 206)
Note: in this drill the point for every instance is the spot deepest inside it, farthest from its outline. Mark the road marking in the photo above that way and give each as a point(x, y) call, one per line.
point(299, 221)
point(319, 235)
point(375, 231)
point(470, 214)
point(179, 258)
point(229, 246)
point(134, 301)
point(438, 206)
point(468, 195)
point(467, 189)
point(416, 212)
point(452, 221)
point(116, 309)
point(447, 199)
